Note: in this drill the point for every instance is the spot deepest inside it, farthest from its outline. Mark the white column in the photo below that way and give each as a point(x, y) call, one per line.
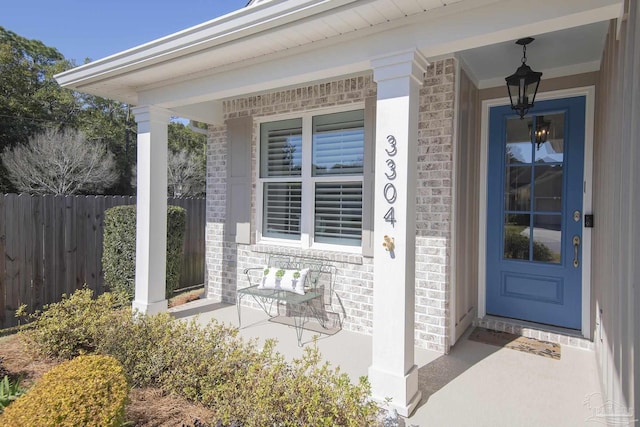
point(393, 373)
point(151, 222)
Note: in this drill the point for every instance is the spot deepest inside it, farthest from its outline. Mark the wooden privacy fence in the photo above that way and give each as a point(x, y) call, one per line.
point(50, 245)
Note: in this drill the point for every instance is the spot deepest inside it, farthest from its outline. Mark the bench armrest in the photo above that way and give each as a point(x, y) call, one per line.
point(247, 272)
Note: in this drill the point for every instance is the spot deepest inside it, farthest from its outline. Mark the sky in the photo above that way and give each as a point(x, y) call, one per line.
point(95, 29)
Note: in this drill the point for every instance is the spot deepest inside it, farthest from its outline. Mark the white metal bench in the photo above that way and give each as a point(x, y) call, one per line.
point(318, 291)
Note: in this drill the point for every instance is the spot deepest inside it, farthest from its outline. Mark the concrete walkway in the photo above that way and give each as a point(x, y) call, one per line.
point(474, 385)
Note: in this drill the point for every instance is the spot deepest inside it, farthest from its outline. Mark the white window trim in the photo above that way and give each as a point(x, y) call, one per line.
point(308, 181)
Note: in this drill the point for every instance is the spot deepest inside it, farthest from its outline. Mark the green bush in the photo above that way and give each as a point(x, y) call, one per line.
point(516, 246)
point(85, 391)
point(119, 248)
point(71, 327)
point(243, 383)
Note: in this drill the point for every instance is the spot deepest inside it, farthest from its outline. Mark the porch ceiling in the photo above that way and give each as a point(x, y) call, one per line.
point(558, 53)
point(279, 43)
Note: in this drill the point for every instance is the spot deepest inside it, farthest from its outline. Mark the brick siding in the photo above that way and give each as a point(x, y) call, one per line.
point(226, 261)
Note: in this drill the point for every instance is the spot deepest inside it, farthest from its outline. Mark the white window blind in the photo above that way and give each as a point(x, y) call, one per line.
point(281, 148)
point(330, 182)
point(338, 213)
point(338, 143)
point(282, 209)
point(281, 157)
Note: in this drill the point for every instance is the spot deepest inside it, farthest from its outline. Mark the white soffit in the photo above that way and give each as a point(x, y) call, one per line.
point(281, 42)
point(262, 28)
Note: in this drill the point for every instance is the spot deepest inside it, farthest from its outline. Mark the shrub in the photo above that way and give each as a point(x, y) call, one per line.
point(305, 392)
point(85, 391)
point(245, 384)
point(72, 326)
point(119, 248)
point(516, 246)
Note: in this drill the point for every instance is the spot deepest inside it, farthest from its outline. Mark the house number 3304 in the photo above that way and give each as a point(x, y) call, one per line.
point(390, 192)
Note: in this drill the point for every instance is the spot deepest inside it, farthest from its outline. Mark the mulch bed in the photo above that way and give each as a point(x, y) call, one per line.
point(148, 407)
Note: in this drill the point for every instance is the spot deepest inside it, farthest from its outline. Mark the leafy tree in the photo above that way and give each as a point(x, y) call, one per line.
point(111, 123)
point(30, 99)
point(57, 162)
point(182, 137)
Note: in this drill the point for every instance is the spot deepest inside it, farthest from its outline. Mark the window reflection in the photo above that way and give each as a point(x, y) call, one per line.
point(533, 189)
point(547, 238)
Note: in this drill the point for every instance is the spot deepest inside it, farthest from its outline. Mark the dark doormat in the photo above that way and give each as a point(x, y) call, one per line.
point(516, 342)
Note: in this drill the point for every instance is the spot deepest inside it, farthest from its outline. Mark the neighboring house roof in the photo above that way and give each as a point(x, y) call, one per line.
point(278, 43)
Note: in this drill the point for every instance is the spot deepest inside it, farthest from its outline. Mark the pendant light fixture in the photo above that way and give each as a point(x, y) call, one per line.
point(523, 84)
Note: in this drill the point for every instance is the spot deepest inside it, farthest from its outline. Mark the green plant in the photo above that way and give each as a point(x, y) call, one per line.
point(516, 246)
point(303, 392)
point(85, 391)
point(246, 384)
point(72, 326)
point(21, 313)
point(119, 248)
point(296, 275)
point(280, 274)
point(9, 391)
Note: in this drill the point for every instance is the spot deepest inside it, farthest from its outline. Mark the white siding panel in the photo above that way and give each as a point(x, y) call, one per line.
point(327, 28)
point(297, 36)
point(340, 25)
point(432, 4)
point(389, 10)
point(372, 15)
point(409, 7)
point(354, 19)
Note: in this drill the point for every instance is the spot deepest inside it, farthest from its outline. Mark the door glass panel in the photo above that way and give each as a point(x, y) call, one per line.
point(519, 148)
point(550, 142)
point(516, 236)
point(517, 192)
point(548, 188)
point(547, 238)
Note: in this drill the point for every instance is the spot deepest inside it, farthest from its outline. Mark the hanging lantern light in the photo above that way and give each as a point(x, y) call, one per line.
point(540, 134)
point(523, 84)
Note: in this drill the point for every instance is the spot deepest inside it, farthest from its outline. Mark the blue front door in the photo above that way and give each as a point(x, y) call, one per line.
point(534, 213)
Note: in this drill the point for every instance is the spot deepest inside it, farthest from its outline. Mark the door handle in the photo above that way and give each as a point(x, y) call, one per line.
point(576, 246)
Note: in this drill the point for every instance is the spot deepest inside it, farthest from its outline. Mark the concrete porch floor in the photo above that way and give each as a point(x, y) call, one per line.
point(474, 385)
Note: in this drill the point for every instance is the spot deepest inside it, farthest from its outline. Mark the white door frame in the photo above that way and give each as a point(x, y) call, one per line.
point(587, 199)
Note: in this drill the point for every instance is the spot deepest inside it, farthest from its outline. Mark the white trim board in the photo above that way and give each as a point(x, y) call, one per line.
point(587, 200)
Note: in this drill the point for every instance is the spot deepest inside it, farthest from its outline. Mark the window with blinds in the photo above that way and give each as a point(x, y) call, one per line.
point(338, 143)
point(338, 213)
point(326, 190)
point(281, 161)
point(281, 148)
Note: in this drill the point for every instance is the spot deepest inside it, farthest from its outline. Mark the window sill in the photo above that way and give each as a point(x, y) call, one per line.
point(333, 256)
